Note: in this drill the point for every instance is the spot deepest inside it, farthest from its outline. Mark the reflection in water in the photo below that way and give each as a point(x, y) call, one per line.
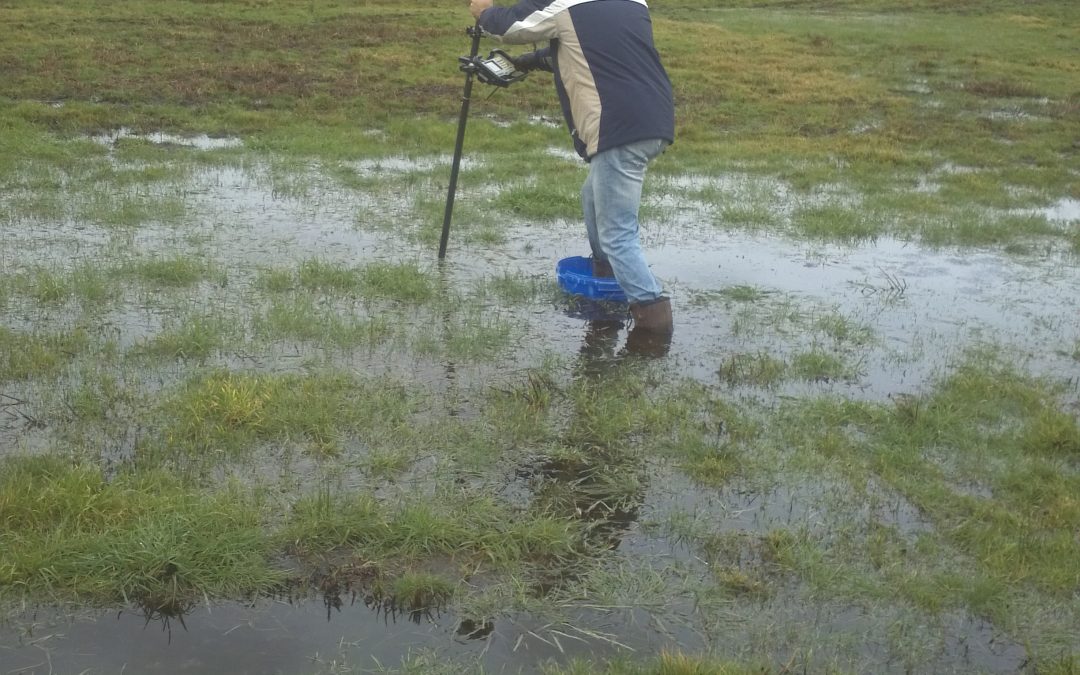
point(346, 583)
point(590, 487)
point(601, 484)
point(475, 630)
point(164, 614)
point(647, 343)
point(599, 348)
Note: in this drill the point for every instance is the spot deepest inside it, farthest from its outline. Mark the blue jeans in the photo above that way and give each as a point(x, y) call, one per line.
point(610, 198)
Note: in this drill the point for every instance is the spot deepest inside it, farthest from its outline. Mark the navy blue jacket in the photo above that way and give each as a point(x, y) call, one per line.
point(611, 84)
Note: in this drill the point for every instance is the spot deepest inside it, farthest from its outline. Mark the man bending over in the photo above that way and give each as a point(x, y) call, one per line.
point(616, 97)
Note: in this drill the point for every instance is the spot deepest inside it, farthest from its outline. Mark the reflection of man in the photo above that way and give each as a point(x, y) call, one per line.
point(617, 101)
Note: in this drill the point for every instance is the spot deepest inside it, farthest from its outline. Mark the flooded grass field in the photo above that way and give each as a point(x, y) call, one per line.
point(250, 424)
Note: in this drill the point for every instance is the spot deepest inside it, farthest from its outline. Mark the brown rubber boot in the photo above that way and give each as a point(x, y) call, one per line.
point(647, 343)
point(602, 268)
point(653, 316)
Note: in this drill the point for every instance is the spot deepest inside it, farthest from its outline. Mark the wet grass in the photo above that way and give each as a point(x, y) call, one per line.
point(92, 286)
point(995, 485)
point(516, 289)
point(38, 355)
point(589, 436)
point(666, 664)
point(143, 537)
point(170, 271)
point(231, 426)
point(797, 95)
point(225, 413)
point(302, 318)
point(403, 282)
point(193, 337)
point(837, 223)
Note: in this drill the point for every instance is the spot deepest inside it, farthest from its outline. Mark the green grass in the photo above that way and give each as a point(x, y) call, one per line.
point(752, 216)
point(128, 211)
point(847, 331)
point(324, 276)
point(146, 538)
point(301, 318)
point(49, 288)
point(420, 592)
point(472, 527)
point(93, 286)
point(228, 412)
point(557, 197)
point(176, 271)
point(253, 433)
point(986, 425)
point(729, 295)
point(471, 334)
point(842, 223)
point(515, 289)
point(194, 337)
point(668, 663)
point(275, 280)
point(36, 355)
point(388, 461)
point(97, 398)
point(819, 365)
point(759, 369)
point(402, 282)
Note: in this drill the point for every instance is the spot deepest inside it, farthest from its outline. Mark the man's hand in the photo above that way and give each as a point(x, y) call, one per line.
point(526, 62)
point(538, 60)
point(476, 7)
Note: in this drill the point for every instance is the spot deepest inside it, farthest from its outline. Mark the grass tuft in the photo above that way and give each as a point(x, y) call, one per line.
point(403, 282)
point(420, 592)
point(819, 366)
point(49, 288)
point(323, 276)
point(196, 338)
point(759, 369)
point(1000, 88)
point(227, 413)
point(175, 272)
point(67, 532)
point(25, 356)
point(1053, 433)
point(300, 318)
point(842, 223)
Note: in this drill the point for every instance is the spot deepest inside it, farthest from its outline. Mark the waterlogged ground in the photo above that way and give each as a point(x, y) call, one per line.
point(454, 466)
point(248, 423)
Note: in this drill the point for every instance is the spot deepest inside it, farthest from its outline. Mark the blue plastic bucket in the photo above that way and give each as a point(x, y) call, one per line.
point(575, 277)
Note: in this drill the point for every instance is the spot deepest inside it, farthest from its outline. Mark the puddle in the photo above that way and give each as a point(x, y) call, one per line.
point(198, 141)
point(922, 307)
point(406, 165)
point(1064, 210)
point(563, 153)
point(312, 634)
point(1013, 116)
point(262, 638)
point(546, 121)
point(917, 86)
